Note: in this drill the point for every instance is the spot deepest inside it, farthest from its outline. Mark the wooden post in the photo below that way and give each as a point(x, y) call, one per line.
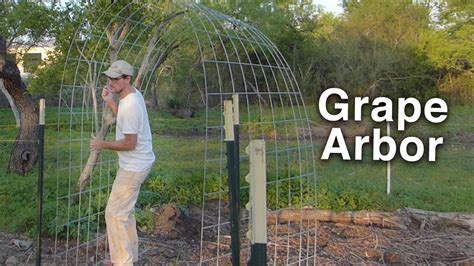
point(389, 170)
point(258, 203)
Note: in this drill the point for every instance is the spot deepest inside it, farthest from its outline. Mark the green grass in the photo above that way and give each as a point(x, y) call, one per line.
point(177, 176)
point(444, 185)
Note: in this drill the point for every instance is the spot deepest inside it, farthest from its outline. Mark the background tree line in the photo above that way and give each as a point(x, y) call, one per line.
point(391, 48)
point(376, 47)
point(421, 48)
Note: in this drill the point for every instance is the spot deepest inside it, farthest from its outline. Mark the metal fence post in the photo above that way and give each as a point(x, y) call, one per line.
point(40, 178)
point(233, 182)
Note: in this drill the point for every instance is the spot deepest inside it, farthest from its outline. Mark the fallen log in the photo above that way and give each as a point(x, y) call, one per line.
point(402, 219)
point(366, 218)
point(424, 218)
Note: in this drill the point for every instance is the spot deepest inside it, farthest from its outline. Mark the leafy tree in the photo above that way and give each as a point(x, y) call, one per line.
point(396, 23)
point(25, 23)
point(16, 30)
point(288, 24)
point(372, 50)
point(449, 47)
point(47, 79)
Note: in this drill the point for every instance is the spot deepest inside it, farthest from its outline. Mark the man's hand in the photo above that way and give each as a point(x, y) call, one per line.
point(106, 94)
point(96, 144)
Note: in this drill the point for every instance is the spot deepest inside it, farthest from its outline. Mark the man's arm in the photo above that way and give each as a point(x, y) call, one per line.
point(128, 143)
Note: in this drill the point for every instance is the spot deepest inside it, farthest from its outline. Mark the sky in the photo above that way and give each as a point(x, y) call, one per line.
point(330, 5)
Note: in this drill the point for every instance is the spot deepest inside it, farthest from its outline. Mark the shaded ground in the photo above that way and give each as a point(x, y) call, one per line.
point(176, 241)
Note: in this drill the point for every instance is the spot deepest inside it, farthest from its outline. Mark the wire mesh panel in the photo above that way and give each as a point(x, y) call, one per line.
point(219, 57)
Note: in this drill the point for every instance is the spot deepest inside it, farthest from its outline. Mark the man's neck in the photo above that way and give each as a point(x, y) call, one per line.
point(129, 89)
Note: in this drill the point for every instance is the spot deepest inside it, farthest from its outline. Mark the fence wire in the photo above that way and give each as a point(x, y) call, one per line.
point(232, 58)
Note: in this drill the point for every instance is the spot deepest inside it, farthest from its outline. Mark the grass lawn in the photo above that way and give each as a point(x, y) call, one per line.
point(445, 185)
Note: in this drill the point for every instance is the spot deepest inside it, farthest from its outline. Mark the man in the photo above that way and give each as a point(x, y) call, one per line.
point(134, 148)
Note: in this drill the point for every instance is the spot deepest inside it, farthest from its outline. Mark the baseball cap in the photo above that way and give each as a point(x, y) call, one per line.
point(119, 68)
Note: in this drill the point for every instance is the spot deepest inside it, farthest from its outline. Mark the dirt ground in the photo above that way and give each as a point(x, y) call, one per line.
point(177, 238)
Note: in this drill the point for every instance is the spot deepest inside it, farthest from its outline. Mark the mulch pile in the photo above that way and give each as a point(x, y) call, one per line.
point(177, 237)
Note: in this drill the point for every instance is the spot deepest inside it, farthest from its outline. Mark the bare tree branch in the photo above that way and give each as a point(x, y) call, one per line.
point(11, 101)
point(151, 46)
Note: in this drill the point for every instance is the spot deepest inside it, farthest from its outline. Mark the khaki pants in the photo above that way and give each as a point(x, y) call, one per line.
point(120, 218)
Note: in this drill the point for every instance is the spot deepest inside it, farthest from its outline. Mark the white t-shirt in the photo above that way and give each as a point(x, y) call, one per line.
point(132, 118)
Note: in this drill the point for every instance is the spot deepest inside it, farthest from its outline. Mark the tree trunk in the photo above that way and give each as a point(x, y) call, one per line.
point(154, 99)
point(25, 149)
point(152, 43)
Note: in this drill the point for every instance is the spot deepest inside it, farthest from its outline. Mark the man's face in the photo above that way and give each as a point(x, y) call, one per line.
point(117, 85)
